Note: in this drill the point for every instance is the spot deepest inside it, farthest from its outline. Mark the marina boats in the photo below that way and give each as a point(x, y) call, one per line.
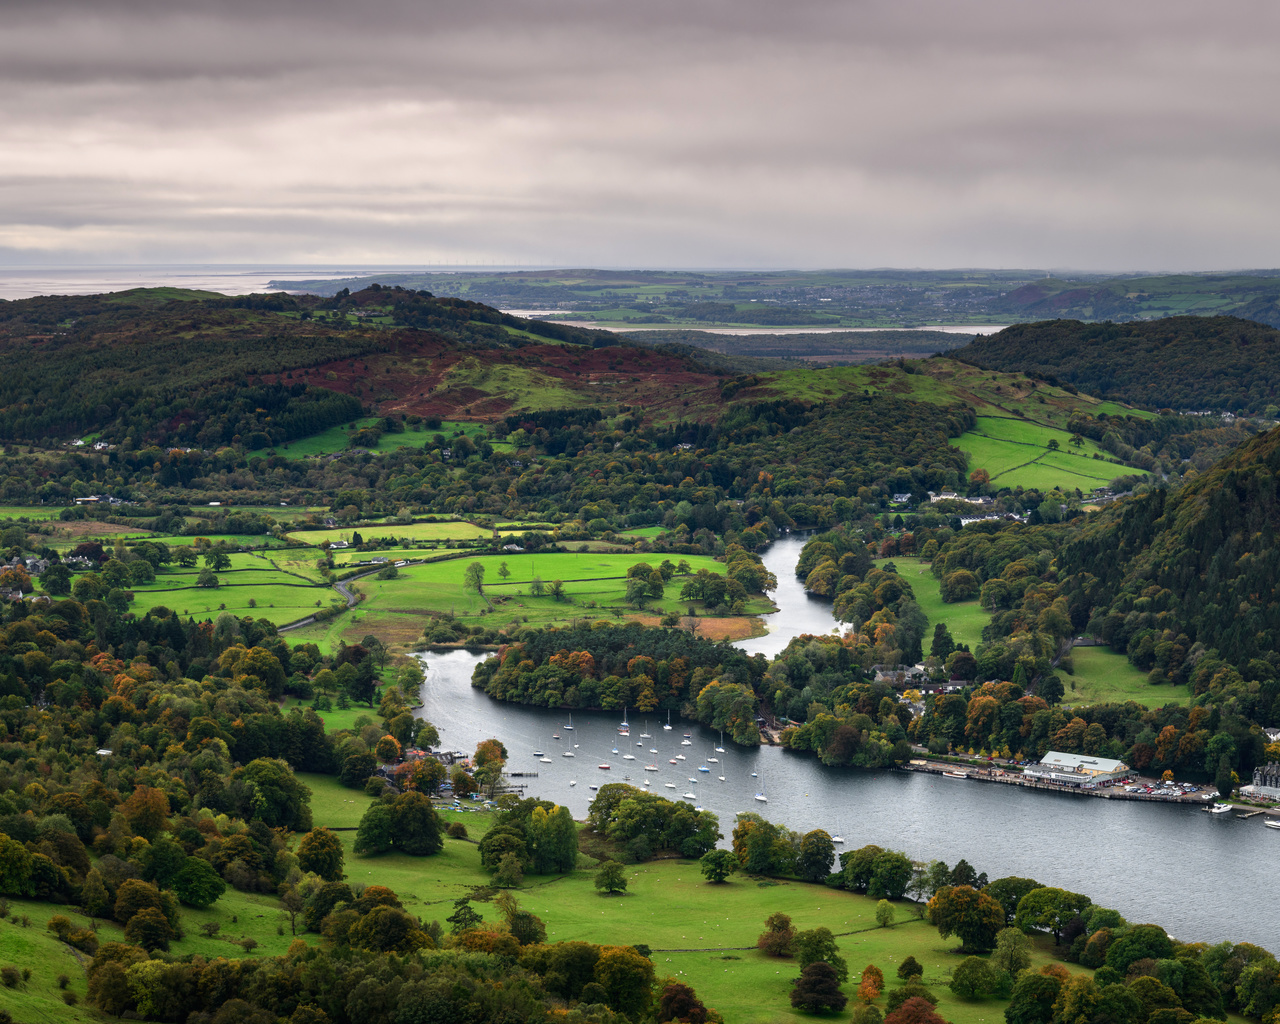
point(673, 761)
point(573, 782)
point(651, 767)
point(624, 729)
point(667, 727)
point(645, 735)
point(689, 796)
point(593, 787)
point(603, 767)
point(568, 753)
point(670, 785)
point(837, 839)
point(570, 725)
point(762, 798)
point(1218, 808)
point(720, 749)
point(1272, 824)
point(628, 757)
point(956, 775)
point(680, 757)
point(703, 767)
point(538, 753)
point(545, 760)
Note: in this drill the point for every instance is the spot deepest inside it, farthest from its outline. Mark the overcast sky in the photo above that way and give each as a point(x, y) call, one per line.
point(1117, 135)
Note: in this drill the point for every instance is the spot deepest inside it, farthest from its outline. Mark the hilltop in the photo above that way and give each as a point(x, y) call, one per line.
point(1219, 363)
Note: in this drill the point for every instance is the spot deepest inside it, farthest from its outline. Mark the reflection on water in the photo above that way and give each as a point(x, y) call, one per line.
point(1141, 859)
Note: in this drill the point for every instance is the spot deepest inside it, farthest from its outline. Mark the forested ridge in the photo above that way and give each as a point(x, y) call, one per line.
point(1220, 363)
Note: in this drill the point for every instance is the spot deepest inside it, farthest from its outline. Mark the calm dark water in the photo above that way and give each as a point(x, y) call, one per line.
point(1203, 877)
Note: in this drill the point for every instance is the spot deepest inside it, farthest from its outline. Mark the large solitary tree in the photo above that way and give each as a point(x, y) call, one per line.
point(974, 916)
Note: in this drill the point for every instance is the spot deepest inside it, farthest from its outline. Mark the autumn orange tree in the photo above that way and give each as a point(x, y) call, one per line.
point(872, 983)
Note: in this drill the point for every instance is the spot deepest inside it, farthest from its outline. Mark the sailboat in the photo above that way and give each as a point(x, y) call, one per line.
point(761, 795)
point(570, 725)
point(720, 749)
point(645, 735)
point(624, 729)
point(667, 727)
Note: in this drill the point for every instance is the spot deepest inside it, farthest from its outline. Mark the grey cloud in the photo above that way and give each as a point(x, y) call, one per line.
point(812, 133)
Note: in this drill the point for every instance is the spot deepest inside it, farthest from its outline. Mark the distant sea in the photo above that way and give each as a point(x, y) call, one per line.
point(229, 279)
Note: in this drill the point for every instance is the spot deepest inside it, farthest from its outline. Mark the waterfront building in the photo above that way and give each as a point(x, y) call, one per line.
point(1077, 769)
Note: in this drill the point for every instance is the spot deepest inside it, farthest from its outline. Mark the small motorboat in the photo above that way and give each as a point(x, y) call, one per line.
point(593, 787)
point(628, 757)
point(651, 767)
point(537, 753)
point(680, 757)
point(837, 839)
point(703, 768)
point(670, 785)
point(603, 767)
point(689, 796)
point(1272, 824)
point(672, 761)
point(545, 760)
point(1218, 808)
point(568, 753)
point(572, 782)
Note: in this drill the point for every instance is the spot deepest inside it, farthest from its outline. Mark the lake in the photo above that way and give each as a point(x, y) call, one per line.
point(1203, 877)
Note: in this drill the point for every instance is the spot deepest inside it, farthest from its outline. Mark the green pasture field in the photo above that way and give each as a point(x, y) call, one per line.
point(35, 513)
point(1106, 676)
point(965, 619)
point(348, 559)
point(272, 511)
point(521, 527)
point(396, 610)
point(1014, 453)
point(333, 805)
point(644, 532)
point(338, 438)
point(397, 531)
point(277, 596)
point(232, 540)
point(670, 907)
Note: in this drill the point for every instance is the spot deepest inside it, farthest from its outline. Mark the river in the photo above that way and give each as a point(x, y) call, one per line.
point(1204, 877)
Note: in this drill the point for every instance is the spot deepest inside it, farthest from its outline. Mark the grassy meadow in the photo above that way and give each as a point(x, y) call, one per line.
point(1103, 675)
point(594, 583)
point(1014, 452)
point(965, 619)
point(699, 933)
point(252, 586)
point(405, 532)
